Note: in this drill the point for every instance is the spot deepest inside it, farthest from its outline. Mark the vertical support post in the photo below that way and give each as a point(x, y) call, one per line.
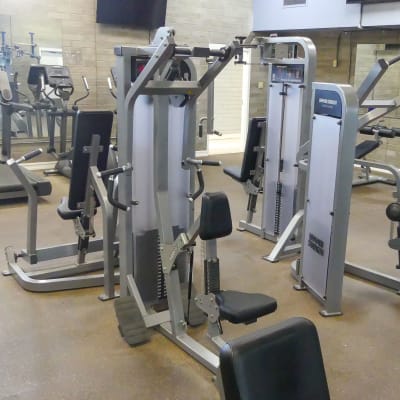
point(125, 129)
point(165, 229)
point(6, 132)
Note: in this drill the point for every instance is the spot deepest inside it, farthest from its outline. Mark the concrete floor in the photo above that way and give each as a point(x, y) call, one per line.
point(67, 346)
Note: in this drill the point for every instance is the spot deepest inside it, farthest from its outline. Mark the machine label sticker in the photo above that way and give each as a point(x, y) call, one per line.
point(328, 102)
point(316, 244)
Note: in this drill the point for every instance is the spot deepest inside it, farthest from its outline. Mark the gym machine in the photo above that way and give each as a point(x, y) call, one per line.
point(157, 94)
point(368, 146)
point(335, 124)
point(87, 192)
point(21, 121)
point(10, 186)
point(58, 78)
point(273, 170)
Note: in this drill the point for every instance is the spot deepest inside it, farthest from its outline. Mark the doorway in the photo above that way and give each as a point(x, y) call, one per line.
point(231, 107)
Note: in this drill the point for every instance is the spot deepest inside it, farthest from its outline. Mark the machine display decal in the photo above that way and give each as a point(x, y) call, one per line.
point(287, 73)
point(328, 102)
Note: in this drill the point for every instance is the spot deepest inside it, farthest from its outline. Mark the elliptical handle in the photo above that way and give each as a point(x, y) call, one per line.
point(26, 157)
point(85, 83)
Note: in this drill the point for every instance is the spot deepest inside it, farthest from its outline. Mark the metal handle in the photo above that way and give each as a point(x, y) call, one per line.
point(85, 83)
point(114, 171)
point(111, 174)
point(87, 88)
point(26, 157)
point(199, 172)
point(200, 190)
point(110, 192)
point(209, 163)
point(110, 88)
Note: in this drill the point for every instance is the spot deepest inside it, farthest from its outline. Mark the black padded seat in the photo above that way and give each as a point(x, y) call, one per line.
point(64, 212)
point(243, 173)
point(242, 308)
point(365, 147)
point(234, 173)
point(9, 182)
point(282, 362)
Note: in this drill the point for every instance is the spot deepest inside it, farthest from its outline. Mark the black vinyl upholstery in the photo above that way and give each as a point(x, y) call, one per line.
point(243, 173)
point(282, 362)
point(241, 308)
point(64, 212)
point(365, 147)
point(88, 123)
point(215, 218)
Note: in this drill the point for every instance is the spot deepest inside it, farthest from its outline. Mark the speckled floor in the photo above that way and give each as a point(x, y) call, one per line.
point(67, 345)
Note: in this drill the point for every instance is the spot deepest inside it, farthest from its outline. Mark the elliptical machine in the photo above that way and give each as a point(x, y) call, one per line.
point(10, 186)
point(57, 111)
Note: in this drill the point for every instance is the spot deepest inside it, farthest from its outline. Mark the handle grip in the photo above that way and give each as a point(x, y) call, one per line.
point(200, 190)
point(85, 83)
point(110, 195)
point(110, 192)
point(30, 155)
point(110, 86)
point(210, 163)
point(114, 171)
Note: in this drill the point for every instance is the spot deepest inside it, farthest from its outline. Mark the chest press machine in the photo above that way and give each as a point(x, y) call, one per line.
point(86, 193)
point(156, 134)
point(157, 127)
point(270, 161)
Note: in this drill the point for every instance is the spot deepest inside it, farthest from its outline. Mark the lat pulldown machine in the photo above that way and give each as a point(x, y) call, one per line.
point(270, 164)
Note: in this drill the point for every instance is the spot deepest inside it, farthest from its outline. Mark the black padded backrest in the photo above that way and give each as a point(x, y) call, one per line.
point(281, 362)
point(215, 217)
point(252, 140)
point(87, 124)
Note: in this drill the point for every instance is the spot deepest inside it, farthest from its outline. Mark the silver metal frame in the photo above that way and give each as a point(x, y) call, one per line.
point(286, 244)
point(330, 262)
point(67, 277)
point(336, 265)
point(151, 82)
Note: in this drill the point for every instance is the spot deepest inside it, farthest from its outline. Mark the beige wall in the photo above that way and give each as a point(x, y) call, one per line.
point(88, 47)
